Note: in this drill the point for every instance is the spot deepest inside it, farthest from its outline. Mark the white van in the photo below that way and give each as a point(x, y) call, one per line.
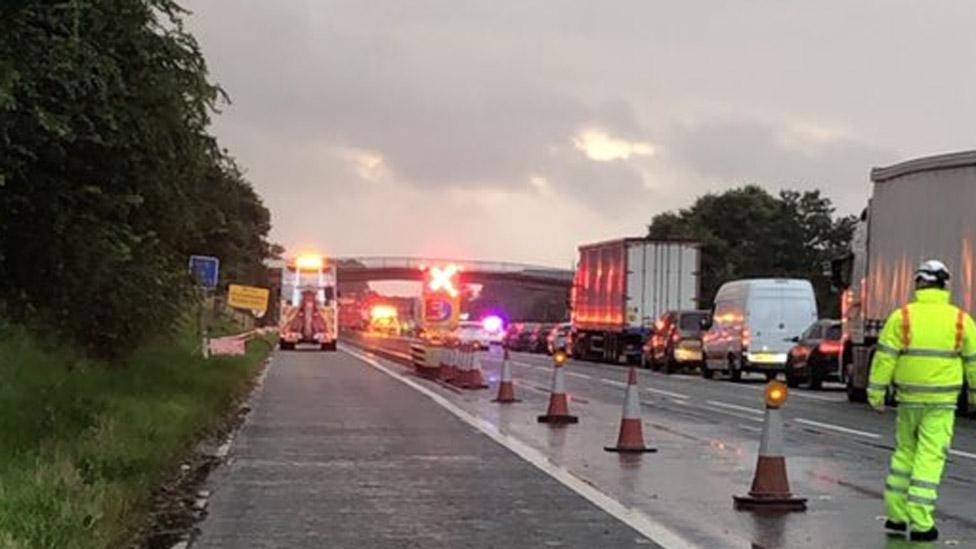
point(753, 323)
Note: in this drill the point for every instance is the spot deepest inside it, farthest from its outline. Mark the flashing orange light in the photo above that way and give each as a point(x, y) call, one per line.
point(308, 262)
point(443, 279)
point(559, 358)
point(776, 394)
point(383, 311)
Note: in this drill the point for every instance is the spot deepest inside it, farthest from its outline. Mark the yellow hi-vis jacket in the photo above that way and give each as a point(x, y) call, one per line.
point(924, 348)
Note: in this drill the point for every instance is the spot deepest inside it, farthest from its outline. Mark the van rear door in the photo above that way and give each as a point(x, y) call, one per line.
point(777, 313)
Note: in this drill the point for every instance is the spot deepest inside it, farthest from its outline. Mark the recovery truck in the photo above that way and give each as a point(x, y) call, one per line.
point(309, 310)
point(620, 289)
point(920, 209)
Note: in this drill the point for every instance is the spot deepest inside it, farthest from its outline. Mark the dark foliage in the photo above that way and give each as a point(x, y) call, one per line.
point(109, 177)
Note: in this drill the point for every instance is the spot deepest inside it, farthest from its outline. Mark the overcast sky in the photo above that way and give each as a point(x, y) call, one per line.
point(517, 130)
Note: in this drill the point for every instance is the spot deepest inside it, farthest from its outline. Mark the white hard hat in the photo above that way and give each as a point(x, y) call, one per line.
point(932, 270)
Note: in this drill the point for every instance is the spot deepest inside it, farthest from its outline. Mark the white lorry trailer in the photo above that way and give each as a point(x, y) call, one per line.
point(918, 210)
point(622, 286)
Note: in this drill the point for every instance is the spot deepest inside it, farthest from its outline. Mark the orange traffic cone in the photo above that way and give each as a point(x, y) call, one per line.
point(770, 485)
point(558, 412)
point(506, 388)
point(631, 437)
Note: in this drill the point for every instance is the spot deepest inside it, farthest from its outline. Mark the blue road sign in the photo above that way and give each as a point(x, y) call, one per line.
point(205, 269)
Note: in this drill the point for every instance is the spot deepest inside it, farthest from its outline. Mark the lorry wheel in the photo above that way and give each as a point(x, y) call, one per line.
point(735, 373)
point(707, 372)
point(853, 393)
point(770, 376)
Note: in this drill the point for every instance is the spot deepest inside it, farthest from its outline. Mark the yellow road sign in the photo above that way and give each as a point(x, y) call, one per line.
point(248, 297)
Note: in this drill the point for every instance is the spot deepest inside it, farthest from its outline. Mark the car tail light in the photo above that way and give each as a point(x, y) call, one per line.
point(745, 338)
point(675, 337)
point(830, 347)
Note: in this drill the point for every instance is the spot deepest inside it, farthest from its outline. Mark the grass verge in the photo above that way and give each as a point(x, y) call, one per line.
point(83, 445)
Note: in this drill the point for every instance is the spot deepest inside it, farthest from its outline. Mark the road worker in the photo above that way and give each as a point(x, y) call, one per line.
point(923, 352)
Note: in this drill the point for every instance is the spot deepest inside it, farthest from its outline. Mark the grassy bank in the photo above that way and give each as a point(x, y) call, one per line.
point(84, 444)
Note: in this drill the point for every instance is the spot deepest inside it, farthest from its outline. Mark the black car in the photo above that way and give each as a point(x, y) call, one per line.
point(522, 341)
point(816, 356)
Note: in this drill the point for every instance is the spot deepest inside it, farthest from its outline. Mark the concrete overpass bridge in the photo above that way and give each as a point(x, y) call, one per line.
point(367, 269)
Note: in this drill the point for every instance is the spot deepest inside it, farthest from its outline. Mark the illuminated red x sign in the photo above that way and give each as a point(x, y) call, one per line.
point(443, 280)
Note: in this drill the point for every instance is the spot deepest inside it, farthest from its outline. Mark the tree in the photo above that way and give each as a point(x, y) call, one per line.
point(747, 232)
point(109, 176)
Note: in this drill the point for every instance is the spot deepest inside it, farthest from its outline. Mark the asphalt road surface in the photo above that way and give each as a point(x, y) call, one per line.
point(338, 453)
point(707, 433)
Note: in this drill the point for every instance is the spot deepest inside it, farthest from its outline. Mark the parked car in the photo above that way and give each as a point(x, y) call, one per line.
point(522, 340)
point(511, 335)
point(472, 332)
point(539, 340)
point(559, 338)
point(676, 341)
point(816, 356)
point(753, 324)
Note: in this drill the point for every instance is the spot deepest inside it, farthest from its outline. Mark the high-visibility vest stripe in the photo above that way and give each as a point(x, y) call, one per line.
point(932, 353)
point(915, 388)
point(960, 315)
point(906, 326)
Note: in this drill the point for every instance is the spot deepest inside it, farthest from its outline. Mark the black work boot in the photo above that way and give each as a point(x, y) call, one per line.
point(928, 535)
point(895, 526)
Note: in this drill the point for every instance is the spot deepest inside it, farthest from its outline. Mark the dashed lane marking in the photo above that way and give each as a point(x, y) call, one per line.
point(837, 428)
point(581, 376)
point(960, 453)
point(650, 528)
point(671, 394)
point(733, 414)
point(612, 382)
point(721, 404)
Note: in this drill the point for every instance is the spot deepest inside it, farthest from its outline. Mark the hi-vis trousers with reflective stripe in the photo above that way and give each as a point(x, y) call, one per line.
point(921, 444)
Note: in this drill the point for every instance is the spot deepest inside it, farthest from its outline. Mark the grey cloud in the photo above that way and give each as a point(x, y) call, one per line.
point(738, 151)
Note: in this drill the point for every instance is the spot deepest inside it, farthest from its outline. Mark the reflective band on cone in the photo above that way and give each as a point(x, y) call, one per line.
point(506, 389)
point(558, 411)
point(631, 437)
point(770, 485)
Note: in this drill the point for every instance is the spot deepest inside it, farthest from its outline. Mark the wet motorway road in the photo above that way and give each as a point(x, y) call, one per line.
point(707, 433)
point(336, 453)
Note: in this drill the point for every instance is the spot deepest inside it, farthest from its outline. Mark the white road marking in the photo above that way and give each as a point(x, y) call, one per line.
point(822, 398)
point(533, 366)
point(581, 376)
point(733, 414)
point(838, 428)
point(671, 394)
point(612, 382)
point(960, 453)
point(650, 528)
point(721, 404)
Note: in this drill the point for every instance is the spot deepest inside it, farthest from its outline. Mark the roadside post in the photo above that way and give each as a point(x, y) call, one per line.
point(205, 270)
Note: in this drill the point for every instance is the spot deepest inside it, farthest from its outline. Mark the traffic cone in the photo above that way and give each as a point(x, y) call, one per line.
point(770, 485)
point(506, 388)
point(631, 437)
point(558, 412)
point(475, 378)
